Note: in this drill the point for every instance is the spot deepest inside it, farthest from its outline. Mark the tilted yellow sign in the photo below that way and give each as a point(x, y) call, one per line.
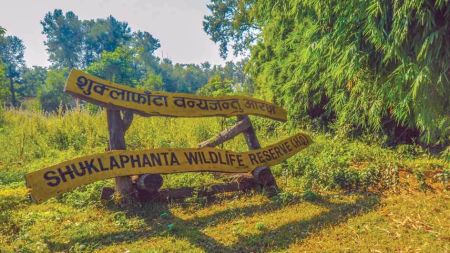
point(65, 176)
point(102, 92)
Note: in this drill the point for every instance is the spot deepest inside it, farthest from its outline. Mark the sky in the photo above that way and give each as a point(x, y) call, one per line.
point(176, 23)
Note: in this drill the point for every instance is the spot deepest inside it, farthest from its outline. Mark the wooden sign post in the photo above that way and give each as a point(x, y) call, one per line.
point(137, 173)
point(117, 126)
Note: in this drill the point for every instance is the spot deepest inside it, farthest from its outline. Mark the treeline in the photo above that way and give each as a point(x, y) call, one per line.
point(357, 67)
point(108, 48)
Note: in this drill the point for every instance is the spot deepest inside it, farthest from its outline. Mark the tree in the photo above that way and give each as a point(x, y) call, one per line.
point(64, 38)
point(366, 66)
point(217, 86)
point(103, 35)
point(230, 24)
point(152, 82)
point(11, 53)
point(33, 79)
point(3, 79)
point(4, 91)
point(117, 66)
point(52, 96)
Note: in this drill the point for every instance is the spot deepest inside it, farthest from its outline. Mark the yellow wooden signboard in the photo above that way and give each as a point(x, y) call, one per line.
point(104, 93)
point(65, 176)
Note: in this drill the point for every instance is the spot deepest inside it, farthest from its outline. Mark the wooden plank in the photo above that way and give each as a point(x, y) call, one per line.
point(116, 128)
point(149, 182)
point(244, 183)
point(146, 103)
point(227, 134)
point(262, 175)
point(68, 175)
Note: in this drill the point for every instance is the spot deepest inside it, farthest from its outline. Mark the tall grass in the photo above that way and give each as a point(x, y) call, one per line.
point(33, 140)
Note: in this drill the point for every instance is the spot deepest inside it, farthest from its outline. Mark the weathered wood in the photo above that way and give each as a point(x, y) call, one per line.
point(124, 186)
point(227, 134)
point(149, 182)
point(127, 119)
point(262, 175)
point(244, 183)
point(247, 105)
point(107, 193)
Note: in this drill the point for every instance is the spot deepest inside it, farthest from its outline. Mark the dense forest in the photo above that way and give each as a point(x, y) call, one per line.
point(107, 48)
point(376, 67)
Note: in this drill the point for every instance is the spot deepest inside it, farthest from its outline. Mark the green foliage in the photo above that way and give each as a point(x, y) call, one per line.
point(33, 80)
point(375, 66)
point(79, 221)
point(51, 96)
point(117, 66)
point(229, 23)
point(152, 81)
point(11, 54)
point(104, 35)
point(4, 90)
point(217, 86)
point(64, 34)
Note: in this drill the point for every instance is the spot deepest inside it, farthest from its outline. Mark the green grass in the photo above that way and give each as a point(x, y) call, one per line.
point(337, 195)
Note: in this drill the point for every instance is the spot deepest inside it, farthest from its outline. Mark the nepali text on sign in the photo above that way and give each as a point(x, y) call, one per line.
point(106, 93)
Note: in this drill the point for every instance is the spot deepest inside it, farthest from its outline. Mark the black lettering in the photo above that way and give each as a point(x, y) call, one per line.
point(278, 151)
point(51, 175)
point(88, 166)
point(213, 157)
point(295, 142)
point(146, 161)
point(63, 174)
point(113, 162)
point(239, 160)
point(267, 155)
point(124, 159)
point(165, 158)
point(135, 161)
point(272, 154)
point(156, 159)
point(173, 159)
point(304, 140)
point(102, 168)
point(191, 157)
point(221, 161)
point(260, 157)
point(288, 147)
point(231, 159)
point(75, 170)
point(204, 158)
point(253, 158)
point(283, 148)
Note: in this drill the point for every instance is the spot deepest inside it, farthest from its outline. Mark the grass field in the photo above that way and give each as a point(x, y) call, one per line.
point(339, 195)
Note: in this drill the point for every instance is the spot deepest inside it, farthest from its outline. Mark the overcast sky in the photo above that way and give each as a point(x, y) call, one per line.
point(176, 23)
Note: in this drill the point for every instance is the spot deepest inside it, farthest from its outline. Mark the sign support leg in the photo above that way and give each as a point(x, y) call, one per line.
point(262, 175)
point(117, 127)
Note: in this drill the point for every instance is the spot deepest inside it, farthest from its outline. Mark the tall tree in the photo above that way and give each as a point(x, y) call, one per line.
point(3, 80)
point(146, 45)
point(51, 96)
point(11, 53)
point(378, 66)
point(231, 25)
point(117, 66)
point(103, 35)
point(64, 38)
point(33, 79)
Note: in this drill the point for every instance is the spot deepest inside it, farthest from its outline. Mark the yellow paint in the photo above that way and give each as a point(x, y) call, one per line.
point(65, 176)
point(102, 92)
